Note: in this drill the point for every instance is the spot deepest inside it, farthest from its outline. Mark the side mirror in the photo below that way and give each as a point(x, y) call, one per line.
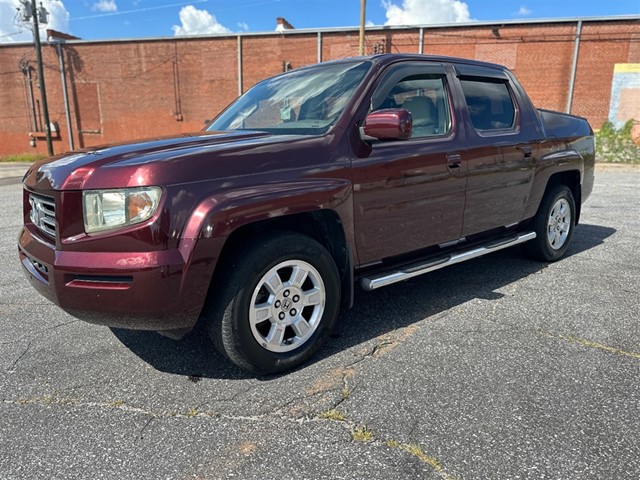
point(387, 124)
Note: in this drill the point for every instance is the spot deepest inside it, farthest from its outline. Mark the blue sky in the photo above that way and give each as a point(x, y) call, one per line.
point(104, 19)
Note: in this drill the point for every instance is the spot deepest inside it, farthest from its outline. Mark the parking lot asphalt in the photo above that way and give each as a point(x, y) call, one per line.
point(498, 368)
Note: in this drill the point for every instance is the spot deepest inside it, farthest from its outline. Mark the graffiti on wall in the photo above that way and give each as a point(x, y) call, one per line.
point(625, 94)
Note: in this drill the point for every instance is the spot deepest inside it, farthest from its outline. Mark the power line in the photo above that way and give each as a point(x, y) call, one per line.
point(137, 10)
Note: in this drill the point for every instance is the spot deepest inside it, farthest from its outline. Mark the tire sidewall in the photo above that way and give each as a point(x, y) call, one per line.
point(560, 192)
point(260, 359)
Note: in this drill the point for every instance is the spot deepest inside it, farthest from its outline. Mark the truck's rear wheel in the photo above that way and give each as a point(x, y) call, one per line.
point(553, 224)
point(275, 304)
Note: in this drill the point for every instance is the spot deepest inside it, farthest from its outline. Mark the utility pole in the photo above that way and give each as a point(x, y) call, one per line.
point(363, 8)
point(30, 10)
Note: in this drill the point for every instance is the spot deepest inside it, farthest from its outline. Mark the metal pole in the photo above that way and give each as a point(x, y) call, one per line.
point(63, 77)
point(574, 66)
point(421, 41)
point(43, 92)
point(239, 65)
point(319, 47)
point(363, 8)
point(32, 101)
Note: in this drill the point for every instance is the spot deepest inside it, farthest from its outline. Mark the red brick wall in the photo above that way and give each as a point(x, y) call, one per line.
point(126, 90)
point(600, 49)
point(544, 64)
point(263, 56)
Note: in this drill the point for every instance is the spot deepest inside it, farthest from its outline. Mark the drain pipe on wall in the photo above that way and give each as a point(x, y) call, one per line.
point(239, 65)
point(574, 66)
point(26, 69)
point(63, 77)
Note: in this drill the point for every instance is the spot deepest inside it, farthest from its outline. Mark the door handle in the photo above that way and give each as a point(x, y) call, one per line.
point(454, 160)
point(526, 150)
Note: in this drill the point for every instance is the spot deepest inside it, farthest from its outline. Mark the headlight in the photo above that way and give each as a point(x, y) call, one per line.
point(108, 209)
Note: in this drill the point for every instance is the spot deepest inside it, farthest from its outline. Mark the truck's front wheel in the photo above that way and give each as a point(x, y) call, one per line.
point(275, 303)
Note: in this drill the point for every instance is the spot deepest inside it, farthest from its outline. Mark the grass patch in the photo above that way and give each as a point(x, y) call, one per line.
point(333, 414)
point(192, 412)
point(22, 157)
point(362, 434)
point(418, 452)
point(616, 146)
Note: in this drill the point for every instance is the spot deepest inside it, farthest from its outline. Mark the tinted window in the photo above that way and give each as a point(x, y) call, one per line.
point(424, 96)
point(490, 104)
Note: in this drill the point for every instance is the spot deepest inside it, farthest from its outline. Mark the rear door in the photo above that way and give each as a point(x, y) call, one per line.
point(499, 153)
point(410, 194)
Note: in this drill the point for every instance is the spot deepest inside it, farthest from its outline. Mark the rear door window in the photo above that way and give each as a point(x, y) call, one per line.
point(490, 104)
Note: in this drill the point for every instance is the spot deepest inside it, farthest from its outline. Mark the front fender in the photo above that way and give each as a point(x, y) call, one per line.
point(216, 217)
point(222, 213)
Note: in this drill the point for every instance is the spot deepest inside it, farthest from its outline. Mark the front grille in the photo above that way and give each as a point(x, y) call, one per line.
point(43, 213)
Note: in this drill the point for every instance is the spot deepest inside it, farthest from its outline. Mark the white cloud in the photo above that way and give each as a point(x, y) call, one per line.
point(244, 26)
point(105, 6)
point(14, 30)
point(197, 22)
point(524, 11)
point(417, 12)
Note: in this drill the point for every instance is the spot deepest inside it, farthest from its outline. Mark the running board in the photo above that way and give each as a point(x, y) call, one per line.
point(410, 271)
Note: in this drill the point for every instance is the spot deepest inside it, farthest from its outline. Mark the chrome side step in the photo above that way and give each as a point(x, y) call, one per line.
point(387, 278)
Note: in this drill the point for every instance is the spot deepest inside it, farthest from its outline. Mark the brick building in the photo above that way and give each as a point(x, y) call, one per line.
point(127, 89)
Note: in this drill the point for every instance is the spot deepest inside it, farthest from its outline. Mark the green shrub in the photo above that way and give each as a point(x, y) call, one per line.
point(616, 146)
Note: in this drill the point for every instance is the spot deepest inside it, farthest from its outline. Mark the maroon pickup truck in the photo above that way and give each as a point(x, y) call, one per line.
point(363, 171)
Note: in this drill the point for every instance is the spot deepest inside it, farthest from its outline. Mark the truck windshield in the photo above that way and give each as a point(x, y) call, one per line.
point(302, 102)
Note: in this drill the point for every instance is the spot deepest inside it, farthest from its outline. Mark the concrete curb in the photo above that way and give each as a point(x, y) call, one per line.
point(12, 170)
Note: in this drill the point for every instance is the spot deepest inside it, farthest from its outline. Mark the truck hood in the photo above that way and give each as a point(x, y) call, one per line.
point(162, 161)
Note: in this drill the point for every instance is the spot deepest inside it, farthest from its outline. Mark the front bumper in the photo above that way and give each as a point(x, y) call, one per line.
point(136, 290)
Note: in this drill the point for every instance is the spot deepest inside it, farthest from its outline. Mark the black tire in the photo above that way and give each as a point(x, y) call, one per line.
point(554, 224)
point(255, 345)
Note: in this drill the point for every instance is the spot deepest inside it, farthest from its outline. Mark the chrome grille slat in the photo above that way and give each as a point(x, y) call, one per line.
point(43, 213)
point(51, 222)
point(48, 203)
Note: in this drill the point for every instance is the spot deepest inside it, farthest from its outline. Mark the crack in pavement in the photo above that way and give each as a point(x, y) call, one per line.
point(147, 423)
point(566, 338)
point(340, 381)
point(32, 336)
point(361, 434)
point(590, 344)
point(15, 362)
point(358, 431)
point(418, 452)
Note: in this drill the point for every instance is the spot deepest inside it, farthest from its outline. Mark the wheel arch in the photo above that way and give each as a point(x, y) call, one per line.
point(571, 179)
point(324, 226)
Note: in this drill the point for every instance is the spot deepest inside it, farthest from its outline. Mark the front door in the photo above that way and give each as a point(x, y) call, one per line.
point(410, 194)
